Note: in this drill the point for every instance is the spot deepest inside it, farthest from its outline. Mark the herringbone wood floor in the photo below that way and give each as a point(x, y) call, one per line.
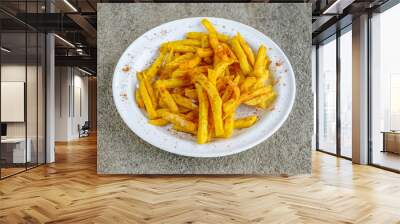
point(70, 191)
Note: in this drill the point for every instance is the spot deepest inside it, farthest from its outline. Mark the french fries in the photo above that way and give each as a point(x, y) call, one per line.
point(229, 125)
point(179, 121)
point(247, 50)
point(215, 103)
point(202, 133)
point(138, 99)
point(245, 122)
point(260, 62)
point(158, 122)
point(244, 64)
point(184, 102)
point(147, 101)
point(198, 35)
point(168, 100)
point(171, 83)
point(196, 84)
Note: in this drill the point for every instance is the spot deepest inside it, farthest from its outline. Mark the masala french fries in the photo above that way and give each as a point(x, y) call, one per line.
point(158, 122)
point(147, 101)
point(150, 91)
point(195, 85)
point(202, 132)
point(244, 64)
point(260, 62)
point(198, 35)
point(171, 83)
point(204, 52)
point(247, 50)
point(245, 122)
point(215, 103)
point(138, 99)
point(168, 100)
point(178, 120)
point(152, 71)
point(184, 102)
point(191, 93)
point(229, 125)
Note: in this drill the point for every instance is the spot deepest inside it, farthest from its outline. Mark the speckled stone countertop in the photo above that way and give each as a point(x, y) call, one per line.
point(288, 151)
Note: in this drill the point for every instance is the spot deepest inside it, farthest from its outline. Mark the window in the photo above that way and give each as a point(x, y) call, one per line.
point(327, 96)
point(22, 77)
point(346, 93)
point(333, 137)
point(385, 89)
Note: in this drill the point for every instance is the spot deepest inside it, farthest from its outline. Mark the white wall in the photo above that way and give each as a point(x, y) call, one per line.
point(62, 81)
point(79, 117)
point(12, 100)
point(69, 82)
point(11, 73)
point(16, 73)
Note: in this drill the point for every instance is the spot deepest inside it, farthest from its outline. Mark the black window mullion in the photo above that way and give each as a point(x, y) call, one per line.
point(338, 73)
point(26, 87)
point(369, 90)
point(37, 90)
point(317, 96)
point(44, 69)
point(45, 95)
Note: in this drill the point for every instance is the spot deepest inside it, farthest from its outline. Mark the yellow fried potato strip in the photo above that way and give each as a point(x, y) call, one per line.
point(178, 120)
point(184, 102)
point(215, 102)
point(245, 122)
point(168, 100)
point(158, 122)
point(244, 64)
point(246, 48)
point(202, 132)
point(147, 101)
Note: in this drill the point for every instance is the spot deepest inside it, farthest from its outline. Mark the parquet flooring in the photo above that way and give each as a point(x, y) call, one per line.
point(10, 171)
point(70, 191)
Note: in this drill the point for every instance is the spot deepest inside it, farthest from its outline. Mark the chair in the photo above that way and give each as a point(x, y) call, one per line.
point(84, 130)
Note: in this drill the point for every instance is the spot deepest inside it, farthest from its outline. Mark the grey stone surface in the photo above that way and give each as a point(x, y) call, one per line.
point(288, 151)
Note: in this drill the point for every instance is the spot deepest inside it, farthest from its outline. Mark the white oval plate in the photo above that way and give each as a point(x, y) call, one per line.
point(143, 51)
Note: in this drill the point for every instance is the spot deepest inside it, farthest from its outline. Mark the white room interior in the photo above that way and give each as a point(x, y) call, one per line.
point(71, 102)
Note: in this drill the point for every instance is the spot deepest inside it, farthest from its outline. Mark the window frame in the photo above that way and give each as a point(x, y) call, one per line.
point(31, 30)
point(336, 36)
point(381, 9)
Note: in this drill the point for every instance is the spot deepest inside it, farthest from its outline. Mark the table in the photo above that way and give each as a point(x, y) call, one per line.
point(391, 141)
point(18, 150)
